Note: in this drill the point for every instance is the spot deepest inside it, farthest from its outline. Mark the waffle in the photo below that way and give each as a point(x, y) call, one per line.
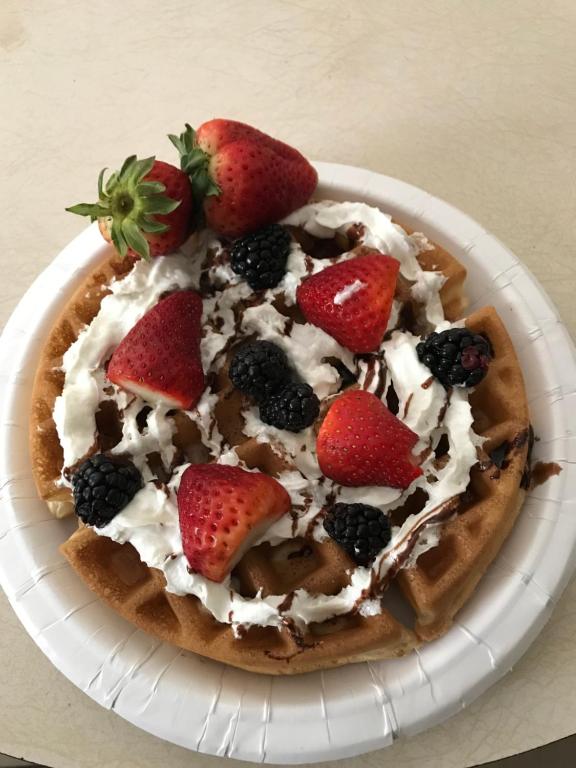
point(45, 449)
point(445, 577)
point(436, 587)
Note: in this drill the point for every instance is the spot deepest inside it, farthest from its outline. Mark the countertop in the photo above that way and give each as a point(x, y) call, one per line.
point(472, 101)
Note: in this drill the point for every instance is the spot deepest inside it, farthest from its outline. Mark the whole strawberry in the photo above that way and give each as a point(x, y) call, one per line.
point(244, 178)
point(159, 359)
point(144, 209)
point(362, 443)
point(352, 300)
point(223, 510)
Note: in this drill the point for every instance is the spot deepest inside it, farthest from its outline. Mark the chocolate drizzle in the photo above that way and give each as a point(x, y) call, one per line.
point(348, 378)
point(444, 408)
point(543, 471)
point(286, 604)
point(403, 549)
point(355, 234)
point(526, 478)
point(499, 458)
point(311, 525)
point(295, 518)
point(407, 405)
point(379, 391)
point(164, 488)
point(240, 631)
point(375, 370)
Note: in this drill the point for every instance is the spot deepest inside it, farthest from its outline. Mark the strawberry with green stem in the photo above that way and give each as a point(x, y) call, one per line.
point(243, 178)
point(144, 209)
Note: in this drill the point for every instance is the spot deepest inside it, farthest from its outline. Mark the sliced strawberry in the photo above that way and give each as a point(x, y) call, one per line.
point(244, 178)
point(223, 510)
point(159, 359)
point(362, 443)
point(144, 209)
point(352, 300)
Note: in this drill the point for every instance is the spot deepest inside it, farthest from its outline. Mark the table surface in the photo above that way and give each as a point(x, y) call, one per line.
point(472, 101)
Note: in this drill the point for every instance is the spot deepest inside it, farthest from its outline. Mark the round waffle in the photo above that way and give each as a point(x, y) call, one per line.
point(436, 587)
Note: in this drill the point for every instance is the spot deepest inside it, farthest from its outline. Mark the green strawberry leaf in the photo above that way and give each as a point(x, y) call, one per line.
point(146, 188)
point(186, 142)
point(94, 210)
point(158, 204)
point(135, 238)
point(110, 184)
point(141, 168)
point(126, 165)
point(118, 239)
point(100, 184)
point(195, 162)
point(152, 226)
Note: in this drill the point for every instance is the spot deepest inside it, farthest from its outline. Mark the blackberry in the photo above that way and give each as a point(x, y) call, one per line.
point(261, 257)
point(294, 408)
point(361, 530)
point(259, 369)
point(102, 487)
point(457, 357)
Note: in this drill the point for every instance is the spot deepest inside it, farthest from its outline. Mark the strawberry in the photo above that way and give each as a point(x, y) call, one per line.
point(362, 443)
point(159, 359)
point(223, 510)
point(352, 300)
point(244, 178)
point(144, 209)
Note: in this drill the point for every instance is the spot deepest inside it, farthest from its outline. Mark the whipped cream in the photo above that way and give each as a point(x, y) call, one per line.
point(129, 300)
point(150, 521)
point(306, 346)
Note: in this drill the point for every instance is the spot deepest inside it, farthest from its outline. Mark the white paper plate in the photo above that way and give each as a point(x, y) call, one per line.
point(216, 709)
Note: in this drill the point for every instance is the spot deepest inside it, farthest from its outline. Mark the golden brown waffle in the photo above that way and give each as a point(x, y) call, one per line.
point(83, 306)
point(137, 592)
point(452, 292)
point(436, 587)
point(445, 577)
point(45, 449)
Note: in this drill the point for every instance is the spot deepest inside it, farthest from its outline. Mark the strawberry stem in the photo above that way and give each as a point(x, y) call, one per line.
point(130, 205)
point(195, 163)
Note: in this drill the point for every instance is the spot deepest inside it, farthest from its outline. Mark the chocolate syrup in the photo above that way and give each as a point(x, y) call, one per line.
point(498, 460)
point(240, 631)
point(286, 604)
point(438, 515)
point(355, 234)
point(295, 518)
point(407, 405)
point(543, 471)
point(376, 369)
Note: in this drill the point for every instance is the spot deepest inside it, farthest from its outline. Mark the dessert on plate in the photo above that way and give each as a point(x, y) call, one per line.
point(286, 445)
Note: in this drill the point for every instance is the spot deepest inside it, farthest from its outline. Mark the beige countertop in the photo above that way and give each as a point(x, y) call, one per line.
point(473, 101)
